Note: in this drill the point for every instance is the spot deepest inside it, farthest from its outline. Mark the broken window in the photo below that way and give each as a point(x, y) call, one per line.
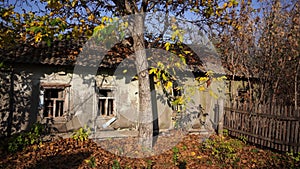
point(106, 102)
point(54, 100)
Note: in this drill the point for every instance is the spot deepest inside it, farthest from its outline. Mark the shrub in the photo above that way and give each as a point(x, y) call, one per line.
point(82, 134)
point(20, 141)
point(175, 155)
point(116, 165)
point(91, 162)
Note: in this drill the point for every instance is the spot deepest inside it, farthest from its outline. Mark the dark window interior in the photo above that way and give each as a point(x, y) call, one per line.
point(54, 102)
point(105, 102)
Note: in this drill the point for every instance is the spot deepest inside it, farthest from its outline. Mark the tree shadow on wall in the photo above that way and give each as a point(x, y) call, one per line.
point(16, 94)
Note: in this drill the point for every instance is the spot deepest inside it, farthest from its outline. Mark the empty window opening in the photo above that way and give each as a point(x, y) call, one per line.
point(106, 101)
point(54, 102)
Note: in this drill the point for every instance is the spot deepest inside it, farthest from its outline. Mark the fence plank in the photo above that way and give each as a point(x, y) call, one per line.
point(268, 125)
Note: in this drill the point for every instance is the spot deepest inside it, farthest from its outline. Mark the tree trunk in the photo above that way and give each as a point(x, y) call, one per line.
point(145, 111)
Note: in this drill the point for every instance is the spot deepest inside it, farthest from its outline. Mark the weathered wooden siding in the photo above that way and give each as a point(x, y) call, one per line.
point(271, 125)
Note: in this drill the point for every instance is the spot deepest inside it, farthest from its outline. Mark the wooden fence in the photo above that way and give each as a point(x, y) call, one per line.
point(273, 126)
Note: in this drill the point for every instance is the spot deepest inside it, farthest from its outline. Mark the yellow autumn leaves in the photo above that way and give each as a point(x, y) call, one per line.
point(161, 77)
point(7, 13)
point(54, 4)
point(205, 81)
point(194, 154)
point(38, 37)
point(105, 20)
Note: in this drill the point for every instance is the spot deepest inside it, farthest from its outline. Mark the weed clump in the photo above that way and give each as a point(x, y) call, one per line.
point(22, 140)
point(222, 149)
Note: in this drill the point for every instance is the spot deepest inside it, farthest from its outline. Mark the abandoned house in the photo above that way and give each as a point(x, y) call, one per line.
point(42, 82)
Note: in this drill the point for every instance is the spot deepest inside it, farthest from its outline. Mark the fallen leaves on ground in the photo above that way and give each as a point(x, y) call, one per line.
point(217, 152)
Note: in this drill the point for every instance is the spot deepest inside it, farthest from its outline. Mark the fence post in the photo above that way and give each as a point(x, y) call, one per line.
point(221, 117)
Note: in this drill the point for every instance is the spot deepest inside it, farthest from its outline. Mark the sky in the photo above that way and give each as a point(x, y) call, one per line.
point(35, 6)
point(20, 4)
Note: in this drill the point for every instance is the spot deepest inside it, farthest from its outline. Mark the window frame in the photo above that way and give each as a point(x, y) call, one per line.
point(55, 106)
point(105, 98)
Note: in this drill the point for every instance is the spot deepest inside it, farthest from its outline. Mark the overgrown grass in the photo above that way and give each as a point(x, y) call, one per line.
point(223, 150)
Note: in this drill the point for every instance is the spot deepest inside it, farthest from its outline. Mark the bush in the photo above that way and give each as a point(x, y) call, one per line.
point(82, 134)
point(20, 141)
point(116, 164)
